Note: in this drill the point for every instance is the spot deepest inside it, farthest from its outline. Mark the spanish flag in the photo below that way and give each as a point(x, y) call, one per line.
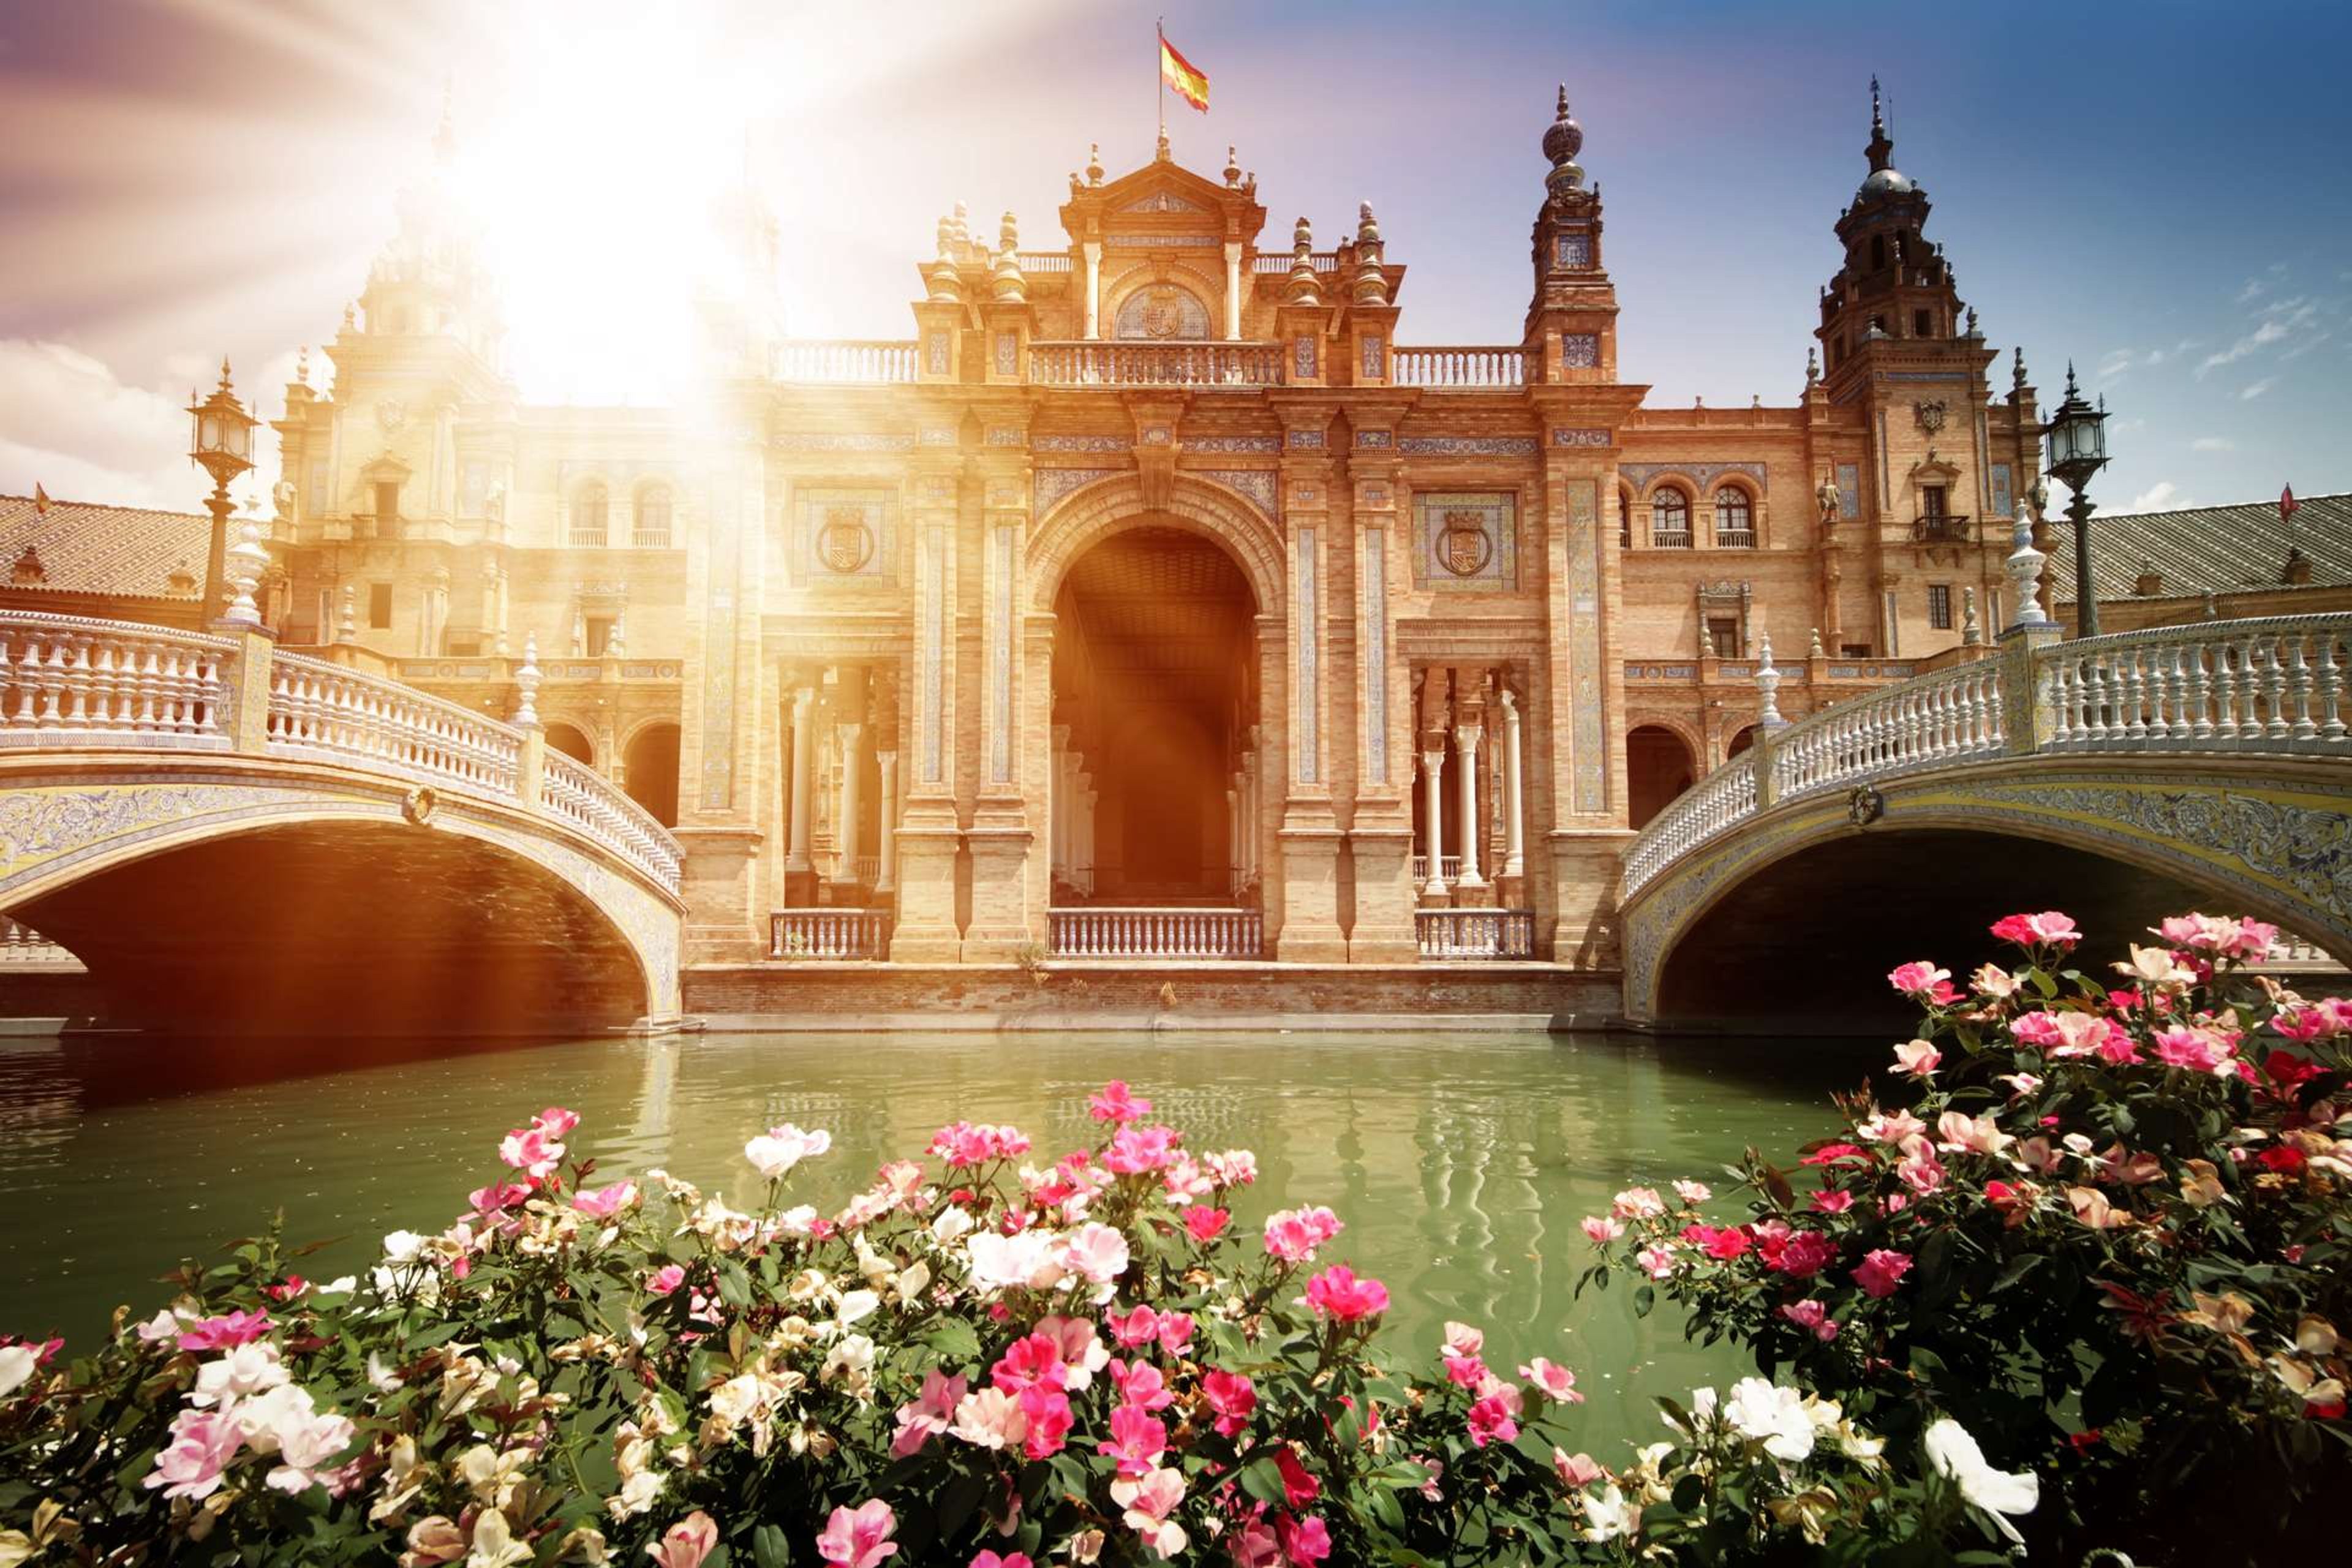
point(1191, 85)
point(41, 502)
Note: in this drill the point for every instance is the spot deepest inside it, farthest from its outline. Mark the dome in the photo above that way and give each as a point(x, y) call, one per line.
point(1564, 138)
point(1886, 183)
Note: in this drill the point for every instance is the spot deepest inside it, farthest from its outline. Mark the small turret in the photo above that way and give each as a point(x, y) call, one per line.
point(1008, 286)
point(1371, 285)
point(1303, 287)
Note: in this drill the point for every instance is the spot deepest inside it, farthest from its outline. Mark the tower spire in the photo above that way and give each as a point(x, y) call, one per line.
point(1882, 146)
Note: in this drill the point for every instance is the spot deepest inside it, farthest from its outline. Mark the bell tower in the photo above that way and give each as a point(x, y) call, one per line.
point(1573, 316)
point(1895, 286)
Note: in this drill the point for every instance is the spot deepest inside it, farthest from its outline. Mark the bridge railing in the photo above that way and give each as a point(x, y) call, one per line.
point(2281, 685)
point(2275, 684)
point(72, 681)
point(67, 680)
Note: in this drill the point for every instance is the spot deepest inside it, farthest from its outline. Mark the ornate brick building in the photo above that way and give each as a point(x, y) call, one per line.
point(1159, 572)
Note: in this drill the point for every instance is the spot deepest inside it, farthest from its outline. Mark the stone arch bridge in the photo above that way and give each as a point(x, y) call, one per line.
point(234, 838)
point(2118, 778)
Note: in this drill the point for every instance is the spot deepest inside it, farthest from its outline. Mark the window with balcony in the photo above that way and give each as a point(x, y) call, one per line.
point(1670, 520)
point(379, 606)
point(653, 518)
point(599, 630)
point(1722, 637)
point(387, 510)
point(1735, 519)
point(592, 515)
point(1937, 523)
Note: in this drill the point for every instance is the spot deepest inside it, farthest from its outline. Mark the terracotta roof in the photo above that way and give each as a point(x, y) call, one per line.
point(2208, 549)
point(91, 549)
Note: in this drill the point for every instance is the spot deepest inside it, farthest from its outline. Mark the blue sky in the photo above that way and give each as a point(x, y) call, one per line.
point(2158, 192)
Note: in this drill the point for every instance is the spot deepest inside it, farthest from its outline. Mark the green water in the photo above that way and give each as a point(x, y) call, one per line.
point(1461, 1164)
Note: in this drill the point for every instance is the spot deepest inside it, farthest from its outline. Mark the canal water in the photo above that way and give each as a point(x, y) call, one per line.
point(1461, 1164)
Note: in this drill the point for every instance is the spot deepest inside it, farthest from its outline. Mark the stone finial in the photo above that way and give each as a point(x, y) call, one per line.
point(182, 579)
point(1973, 332)
point(247, 559)
point(1812, 367)
point(1972, 634)
point(1008, 232)
point(1302, 287)
point(1814, 651)
point(526, 712)
point(1768, 686)
point(946, 239)
point(961, 223)
point(28, 570)
point(1368, 228)
point(1232, 169)
point(346, 624)
point(302, 364)
point(351, 316)
point(1009, 285)
point(1094, 163)
point(1371, 285)
point(2017, 371)
point(2024, 569)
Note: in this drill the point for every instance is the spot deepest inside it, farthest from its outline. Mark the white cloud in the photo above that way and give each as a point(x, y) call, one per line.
point(2158, 497)
point(2251, 292)
point(2258, 389)
point(2262, 337)
point(70, 426)
point(2213, 444)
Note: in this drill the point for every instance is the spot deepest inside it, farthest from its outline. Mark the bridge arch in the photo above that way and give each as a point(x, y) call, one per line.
point(252, 894)
point(1114, 504)
point(1794, 918)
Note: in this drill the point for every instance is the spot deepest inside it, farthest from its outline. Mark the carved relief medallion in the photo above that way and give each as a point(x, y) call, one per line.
point(1464, 546)
point(845, 544)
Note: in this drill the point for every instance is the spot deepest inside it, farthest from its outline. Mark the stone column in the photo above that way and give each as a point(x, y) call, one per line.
point(1233, 291)
point(1086, 832)
point(885, 867)
point(1233, 835)
point(928, 833)
point(1433, 810)
point(1465, 758)
point(1514, 808)
point(1093, 249)
point(796, 851)
point(1057, 804)
point(845, 832)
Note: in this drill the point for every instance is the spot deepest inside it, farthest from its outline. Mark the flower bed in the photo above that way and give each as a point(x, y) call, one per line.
point(992, 1357)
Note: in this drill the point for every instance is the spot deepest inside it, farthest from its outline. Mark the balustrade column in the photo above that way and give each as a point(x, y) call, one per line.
point(1233, 291)
point(1465, 757)
point(1514, 808)
point(1433, 810)
point(885, 863)
point(796, 852)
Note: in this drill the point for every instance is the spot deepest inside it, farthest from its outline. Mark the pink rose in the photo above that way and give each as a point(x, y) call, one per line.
point(1096, 1252)
point(225, 1332)
point(1205, 1225)
point(1575, 1469)
point(686, 1543)
point(1556, 1382)
point(1114, 1103)
point(603, 1203)
point(1881, 1270)
point(1047, 1411)
point(1293, 1235)
point(1917, 1057)
point(1601, 1229)
point(928, 1415)
point(1338, 1294)
point(2047, 928)
point(1491, 1418)
point(1136, 1441)
point(664, 1280)
point(531, 1150)
point(1813, 1317)
point(1231, 1397)
point(858, 1538)
point(203, 1444)
point(1655, 1261)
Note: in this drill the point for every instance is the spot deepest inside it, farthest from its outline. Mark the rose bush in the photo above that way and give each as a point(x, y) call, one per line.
point(986, 1359)
point(2108, 1233)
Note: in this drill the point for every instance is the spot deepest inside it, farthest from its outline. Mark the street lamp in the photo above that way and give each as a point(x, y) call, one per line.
point(2077, 437)
point(220, 441)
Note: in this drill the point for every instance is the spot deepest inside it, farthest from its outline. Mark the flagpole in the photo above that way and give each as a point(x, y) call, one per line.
point(1160, 76)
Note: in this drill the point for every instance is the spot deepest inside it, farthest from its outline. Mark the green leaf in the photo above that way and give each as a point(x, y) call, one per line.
point(1688, 1493)
point(954, 1338)
point(1644, 1299)
point(1262, 1478)
point(770, 1549)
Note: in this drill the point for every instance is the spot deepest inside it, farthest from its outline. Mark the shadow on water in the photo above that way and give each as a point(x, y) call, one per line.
point(1460, 1162)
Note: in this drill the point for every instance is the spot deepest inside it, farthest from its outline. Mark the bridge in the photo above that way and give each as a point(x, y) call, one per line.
point(231, 837)
point(2118, 778)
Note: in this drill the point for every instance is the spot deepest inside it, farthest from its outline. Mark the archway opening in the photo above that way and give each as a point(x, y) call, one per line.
point(1155, 681)
point(341, 928)
point(1806, 941)
point(651, 769)
point(1740, 741)
point(1658, 767)
point(572, 742)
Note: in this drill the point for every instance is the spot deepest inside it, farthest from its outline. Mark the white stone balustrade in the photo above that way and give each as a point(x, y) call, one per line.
point(328, 713)
point(2278, 685)
point(843, 361)
point(1177, 932)
point(1458, 367)
point(1475, 935)
point(66, 681)
point(839, 934)
point(22, 947)
point(2271, 685)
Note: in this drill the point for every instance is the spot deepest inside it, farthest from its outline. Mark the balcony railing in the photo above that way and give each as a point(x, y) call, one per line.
point(1099, 932)
point(844, 360)
point(1035, 261)
point(840, 935)
point(1449, 869)
point(1117, 363)
point(22, 947)
point(1475, 934)
point(1279, 261)
point(1735, 539)
point(1678, 538)
point(1459, 367)
point(1942, 528)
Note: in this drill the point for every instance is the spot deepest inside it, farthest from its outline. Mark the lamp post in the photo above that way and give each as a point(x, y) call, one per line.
point(220, 441)
point(2077, 448)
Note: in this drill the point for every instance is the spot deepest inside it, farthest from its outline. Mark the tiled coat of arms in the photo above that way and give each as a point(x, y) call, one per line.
point(839, 534)
point(1465, 540)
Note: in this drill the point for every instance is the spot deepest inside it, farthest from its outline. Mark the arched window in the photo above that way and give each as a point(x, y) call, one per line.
point(1877, 252)
point(1624, 517)
point(1670, 520)
point(592, 515)
point(1735, 520)
point(653, 518)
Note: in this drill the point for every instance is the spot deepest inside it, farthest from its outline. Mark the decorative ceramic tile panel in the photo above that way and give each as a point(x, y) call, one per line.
point(1574, 250)
point(1588, 750)
point(1234, 444)
point(1006, 548)
point(841, 441)
point(2003, 504)
point(1082, 443)
point(1307, 440)
point(1564, 437)
point(1376, 358)
point(1373, 550)
point(1703, 475)
point(1008, 353)
point(1302, 358)
point(931, 634)
point(1259, 484)
point(1467, 446)
point(1374, 439)
point(1849, 484)
point(1304, 635)
point(935, 354)
point(1052, 484)
point(719, 653)
point(1579, 350)
point(1006, 436)
point(1466, 538)
point(937, 435)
